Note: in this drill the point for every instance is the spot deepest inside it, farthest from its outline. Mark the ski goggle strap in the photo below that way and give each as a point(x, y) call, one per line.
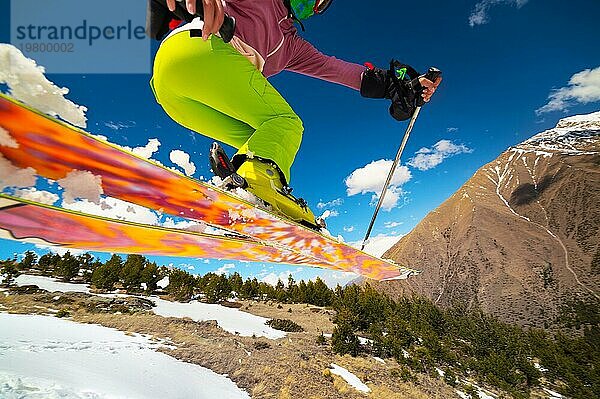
point(304, 9)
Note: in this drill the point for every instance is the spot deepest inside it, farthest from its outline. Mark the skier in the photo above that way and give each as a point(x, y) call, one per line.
point(221, 90)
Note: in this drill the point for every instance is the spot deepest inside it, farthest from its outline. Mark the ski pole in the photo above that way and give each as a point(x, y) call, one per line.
point(432, 75)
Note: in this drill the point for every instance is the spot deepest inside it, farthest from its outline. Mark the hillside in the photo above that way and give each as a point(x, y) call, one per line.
point(521, 238)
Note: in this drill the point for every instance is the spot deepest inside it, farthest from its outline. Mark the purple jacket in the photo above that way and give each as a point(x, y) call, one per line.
point(265, 26)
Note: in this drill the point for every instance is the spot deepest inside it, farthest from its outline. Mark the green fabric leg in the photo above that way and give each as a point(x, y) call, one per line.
point(210, 88)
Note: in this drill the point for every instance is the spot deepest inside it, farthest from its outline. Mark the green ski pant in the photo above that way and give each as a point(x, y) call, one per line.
point(212, 89)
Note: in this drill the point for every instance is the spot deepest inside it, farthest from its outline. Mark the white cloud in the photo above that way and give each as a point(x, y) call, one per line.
point(379, 244)
point(330, 204)
point(428, 158)
point(452, 129)
point(182, 159)
point(32, 194)
point(583, 87)
point(187, 225)
point(273, 278)
point(391, 225)
point(60, 250)
point(147, 150)
point(225, 268)
point(81, 184)
point(372, 177)
point(12, 176)
point(391, 200)
point(27, 83)
point(332, 278)
point(119, 125)
point(479, 15)
point(329, 214)
point(6, 139)
point(349, 229)
point(115, 209)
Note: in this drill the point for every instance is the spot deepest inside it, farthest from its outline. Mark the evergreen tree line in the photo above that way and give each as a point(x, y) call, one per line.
point(215, 288)
point(136, 274)
point(423, 337)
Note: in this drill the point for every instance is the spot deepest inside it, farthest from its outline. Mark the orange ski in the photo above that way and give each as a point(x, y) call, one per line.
point(54, 149)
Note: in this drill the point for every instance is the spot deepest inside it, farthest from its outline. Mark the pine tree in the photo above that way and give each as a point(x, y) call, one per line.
point(131, 272)
point(344, 340)
point(87, 264)
point(181, 285)
point(218, 288)
point(265, 290)
point(236, 282)
point(8, 271)
point(250, 289)
point(48, 262)
point(300, 296)
point(106, 276)
point(67, 267)
point(322, 295)
point(29, 261)
point(151, 275)
point(310, 292)
point(280, 293)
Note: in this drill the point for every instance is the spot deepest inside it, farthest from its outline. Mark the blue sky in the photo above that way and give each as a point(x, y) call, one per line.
point(498, 70)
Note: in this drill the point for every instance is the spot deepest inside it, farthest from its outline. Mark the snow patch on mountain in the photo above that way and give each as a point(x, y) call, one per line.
point(568, 137)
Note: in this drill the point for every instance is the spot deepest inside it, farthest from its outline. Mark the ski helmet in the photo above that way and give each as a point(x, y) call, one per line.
point(304, 9)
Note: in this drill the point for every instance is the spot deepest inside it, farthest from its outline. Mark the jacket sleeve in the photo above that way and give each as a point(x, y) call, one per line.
point(307, 60)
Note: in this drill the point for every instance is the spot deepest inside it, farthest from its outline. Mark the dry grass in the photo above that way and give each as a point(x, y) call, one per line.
point(313, 319)
point(407, 393)
point(293, 367)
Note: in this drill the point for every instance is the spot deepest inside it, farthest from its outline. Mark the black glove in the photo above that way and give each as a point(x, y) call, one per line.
point(376, 83)
point(400, 84)
point(159, 16)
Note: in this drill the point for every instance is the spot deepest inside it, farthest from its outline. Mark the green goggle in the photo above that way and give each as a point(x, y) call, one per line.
point(304, 9)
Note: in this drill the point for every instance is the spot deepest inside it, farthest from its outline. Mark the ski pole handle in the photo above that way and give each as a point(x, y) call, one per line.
point(431, 75)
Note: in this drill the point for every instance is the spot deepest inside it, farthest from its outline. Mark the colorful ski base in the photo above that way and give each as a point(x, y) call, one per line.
point(55, 149)
point(36, 223)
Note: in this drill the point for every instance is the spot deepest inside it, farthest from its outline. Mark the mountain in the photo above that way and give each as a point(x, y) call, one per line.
point(521, 238)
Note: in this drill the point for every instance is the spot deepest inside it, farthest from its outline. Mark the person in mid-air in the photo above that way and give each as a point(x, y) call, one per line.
point(221, 90)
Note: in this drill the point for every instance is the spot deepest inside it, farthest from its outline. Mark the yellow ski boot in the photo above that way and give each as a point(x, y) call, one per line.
point(263, 179)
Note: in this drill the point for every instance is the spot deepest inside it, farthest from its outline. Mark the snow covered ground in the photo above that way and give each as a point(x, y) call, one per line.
point(231, 320)
point(46, 357)
point(350, 378)
point(49, 284)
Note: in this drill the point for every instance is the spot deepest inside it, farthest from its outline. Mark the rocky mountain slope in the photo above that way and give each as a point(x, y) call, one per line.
point(522, 237)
